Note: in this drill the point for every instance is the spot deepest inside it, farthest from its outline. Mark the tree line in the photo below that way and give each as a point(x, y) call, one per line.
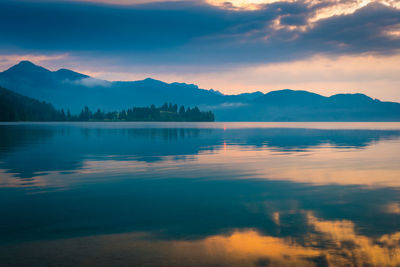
point(167, 112)
point(15, 107)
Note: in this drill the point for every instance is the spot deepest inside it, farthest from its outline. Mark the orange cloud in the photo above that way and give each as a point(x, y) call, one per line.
point(335, 242)
point(347, 248)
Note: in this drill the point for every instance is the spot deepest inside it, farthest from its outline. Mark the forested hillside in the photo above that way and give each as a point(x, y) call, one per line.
point(16, 107)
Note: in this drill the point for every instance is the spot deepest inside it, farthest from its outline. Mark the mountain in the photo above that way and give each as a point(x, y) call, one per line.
point(71, 90)
point(290, 105)
point(16, 107)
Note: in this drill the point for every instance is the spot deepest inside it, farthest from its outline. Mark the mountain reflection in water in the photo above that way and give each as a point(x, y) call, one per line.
point(199, 194)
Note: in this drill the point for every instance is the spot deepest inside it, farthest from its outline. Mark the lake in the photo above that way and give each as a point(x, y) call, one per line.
point(200, 194)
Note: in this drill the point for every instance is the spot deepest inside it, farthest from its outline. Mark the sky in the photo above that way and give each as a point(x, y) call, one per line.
point(323, 46)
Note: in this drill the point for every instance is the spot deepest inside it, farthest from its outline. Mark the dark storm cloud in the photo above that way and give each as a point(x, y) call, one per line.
point(190, 32)
point(79, 26)
point(362, 31)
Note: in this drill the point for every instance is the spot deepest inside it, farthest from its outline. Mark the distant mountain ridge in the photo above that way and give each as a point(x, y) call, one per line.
point(72, 90)
point(289, 105)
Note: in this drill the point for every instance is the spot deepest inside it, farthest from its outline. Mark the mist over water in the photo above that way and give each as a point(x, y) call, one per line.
point(217, 194)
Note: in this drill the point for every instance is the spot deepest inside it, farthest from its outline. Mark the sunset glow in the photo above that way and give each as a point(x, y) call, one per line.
point(265, 44)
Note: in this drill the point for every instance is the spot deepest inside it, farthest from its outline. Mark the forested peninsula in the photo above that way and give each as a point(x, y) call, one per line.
point(16, 107)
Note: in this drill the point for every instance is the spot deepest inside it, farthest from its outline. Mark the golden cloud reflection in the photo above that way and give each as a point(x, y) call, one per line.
point(393, 208)
point(375, 166)
point(347, 248)
point(333, 243)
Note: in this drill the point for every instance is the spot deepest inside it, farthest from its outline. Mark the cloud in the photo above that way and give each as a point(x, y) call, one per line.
point(224, 106)
point(91, 82)
point(362, 31)
point(194, 32)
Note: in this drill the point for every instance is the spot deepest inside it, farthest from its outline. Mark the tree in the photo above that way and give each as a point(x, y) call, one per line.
point(69, 117)
point(85, 114)
point(182, 111)
point(63, 116)
point(98, 115)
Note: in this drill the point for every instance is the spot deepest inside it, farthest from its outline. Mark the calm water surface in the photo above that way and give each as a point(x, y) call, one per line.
point(200, 194)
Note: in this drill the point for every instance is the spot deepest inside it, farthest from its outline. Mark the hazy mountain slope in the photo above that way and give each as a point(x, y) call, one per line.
point(289, 105)
point(16, 107)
